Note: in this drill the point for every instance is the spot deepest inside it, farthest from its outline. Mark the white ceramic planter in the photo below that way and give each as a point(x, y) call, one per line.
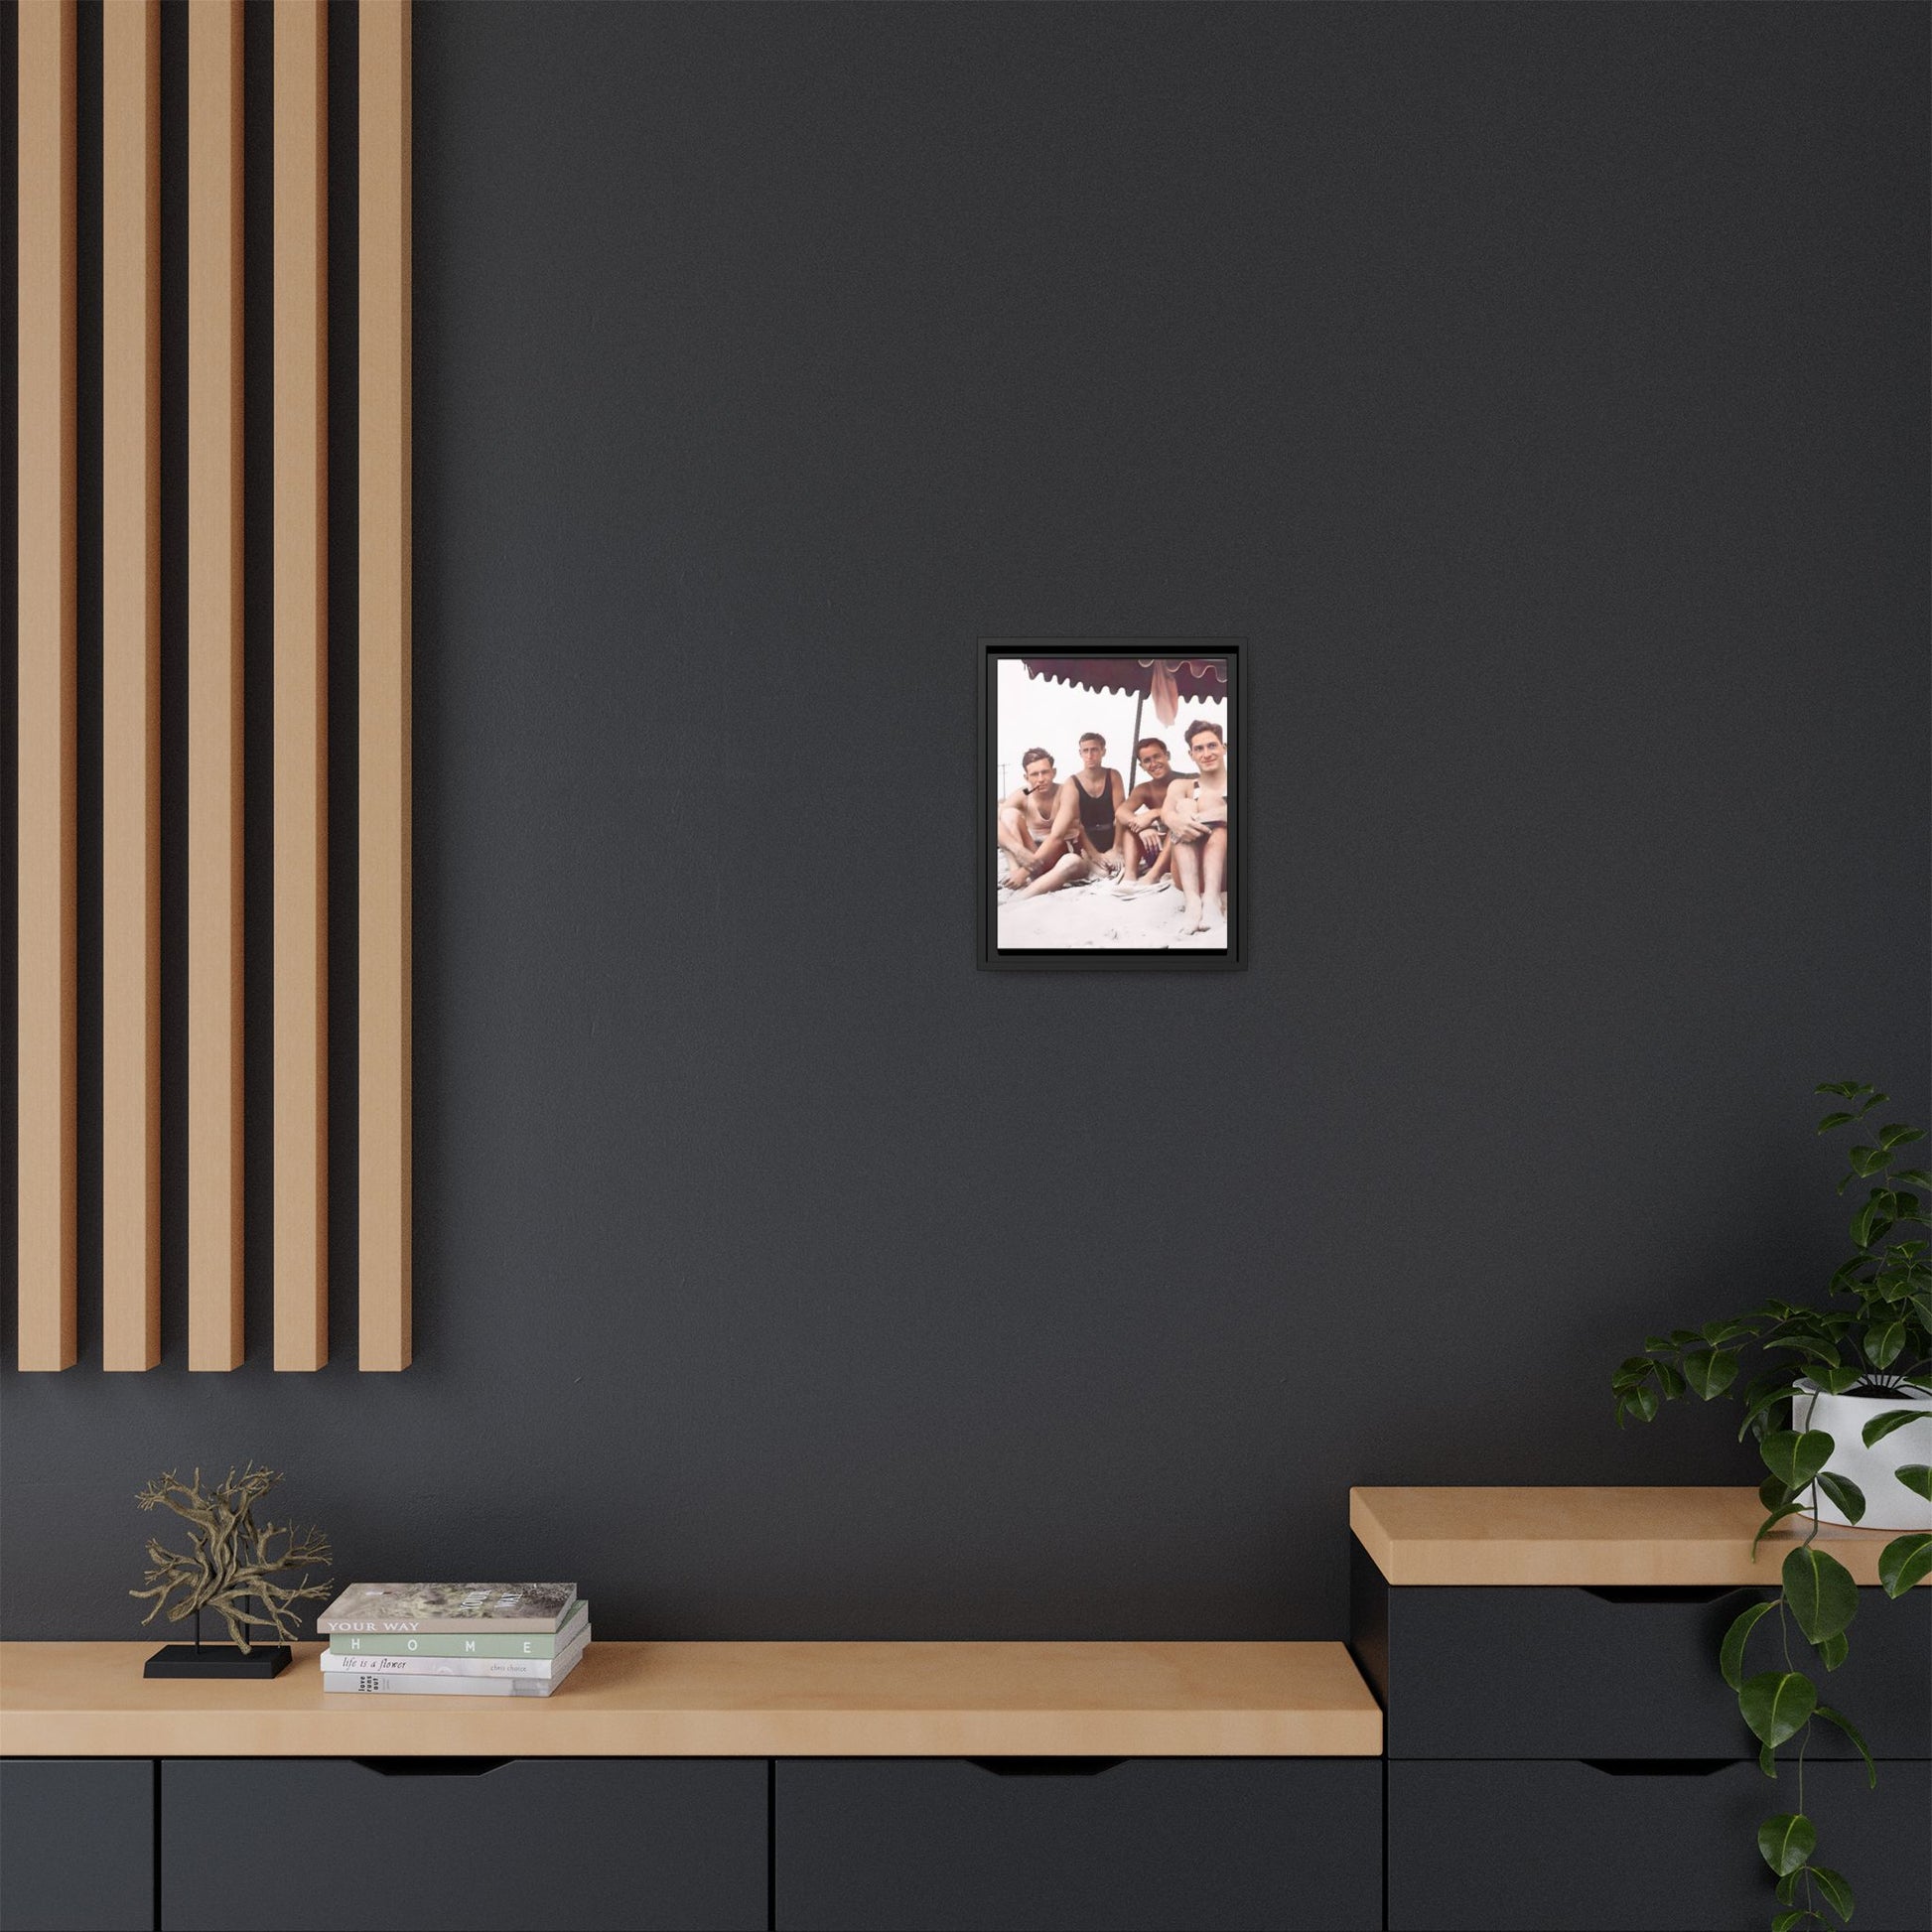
point(1888, 1504)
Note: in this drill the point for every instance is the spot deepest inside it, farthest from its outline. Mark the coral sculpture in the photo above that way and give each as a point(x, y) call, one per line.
point(229, 1558)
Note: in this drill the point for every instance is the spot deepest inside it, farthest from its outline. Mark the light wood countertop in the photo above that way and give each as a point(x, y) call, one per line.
point(725, 1700)
point(1592, 1536)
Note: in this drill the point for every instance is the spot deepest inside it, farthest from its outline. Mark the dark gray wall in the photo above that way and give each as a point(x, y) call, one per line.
point(1542, 393)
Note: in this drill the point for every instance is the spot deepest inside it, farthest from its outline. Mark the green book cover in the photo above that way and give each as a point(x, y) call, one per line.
point(483, 1644)
point(446, 1609)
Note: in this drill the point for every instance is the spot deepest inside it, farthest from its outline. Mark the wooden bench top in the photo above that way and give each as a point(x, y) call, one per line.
point(725, 1700)
point(1592, 1536)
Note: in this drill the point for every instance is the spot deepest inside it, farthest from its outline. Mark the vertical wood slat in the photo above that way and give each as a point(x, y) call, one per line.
point(131, 684)
point(383, 710)
point(45, 693)
point(301, 685)
point(214, 773)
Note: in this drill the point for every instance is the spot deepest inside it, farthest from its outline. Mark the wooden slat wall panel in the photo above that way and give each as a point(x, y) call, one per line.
point(131, 684)
point(214, 802)
point(301, 686)
point(383, 723)
point(46, 702)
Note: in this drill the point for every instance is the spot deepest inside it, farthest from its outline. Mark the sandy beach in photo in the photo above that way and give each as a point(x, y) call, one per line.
point(1092, 916)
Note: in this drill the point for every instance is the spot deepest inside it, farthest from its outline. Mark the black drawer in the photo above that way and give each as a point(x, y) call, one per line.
point(1044, 1842)
point(468, 1844)
point(1572, 1847)
point(78, 1850)
point(1633, 1673)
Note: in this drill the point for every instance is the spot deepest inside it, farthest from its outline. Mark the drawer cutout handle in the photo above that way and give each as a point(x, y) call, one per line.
point(432, 1768)
point(1047, 1767)
point(1662, 1592)
point(1661, 1767)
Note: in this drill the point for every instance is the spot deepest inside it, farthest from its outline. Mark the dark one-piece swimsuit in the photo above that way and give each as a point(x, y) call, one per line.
point(1097, 815)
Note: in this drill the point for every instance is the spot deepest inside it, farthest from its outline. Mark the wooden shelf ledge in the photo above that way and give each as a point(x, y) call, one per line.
point(726, 1700)
point(1593, 1537)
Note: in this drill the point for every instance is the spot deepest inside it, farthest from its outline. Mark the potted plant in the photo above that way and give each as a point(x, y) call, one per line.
point(1842, 1416)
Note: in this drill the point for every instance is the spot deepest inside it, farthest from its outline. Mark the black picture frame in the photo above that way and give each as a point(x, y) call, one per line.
point(1233, 957)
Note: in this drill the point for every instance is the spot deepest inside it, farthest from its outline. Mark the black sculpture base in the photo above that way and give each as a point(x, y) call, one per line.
point(217, 1660)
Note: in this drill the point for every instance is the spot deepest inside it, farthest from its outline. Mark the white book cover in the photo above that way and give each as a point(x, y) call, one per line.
point(367, 1683)
point(550, 1668)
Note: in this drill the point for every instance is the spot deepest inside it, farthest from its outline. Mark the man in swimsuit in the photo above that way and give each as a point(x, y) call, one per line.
point(1094, 793)
point(1142, 833)
point(1036, 830)
point(1197, 812)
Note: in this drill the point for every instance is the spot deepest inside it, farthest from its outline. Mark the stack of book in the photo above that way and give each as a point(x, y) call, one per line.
point(497, 1640)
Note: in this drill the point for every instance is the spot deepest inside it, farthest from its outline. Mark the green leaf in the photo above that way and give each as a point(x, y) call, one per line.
point(1834, 1651)
point(1871, 1220)
point(1851, 1730)
point(1769, 1391)
point(1709, 1371)
point(1883, 1341)
point(1767, 1761)
point(1880, 1427)
point(1844, 1494)
point(1830, 1121)
point(1730, 1659)
point(1914, 1177)
point(1787, 1841)
point(1790, 1921)
point(1641, 1403)
point(1773, 1494)
point(1718, 1333)
point(1876, 1099)
point(1846, 1088)
point(1898, 1133)
point(1771, 1522)
point(1903, 1561)
point(1672, 1379)
point(1818, 1347)
point(1917, 1478)
point(1777, 1704)
point(1796, 1457)
point(1834, 1381)
point(1868, 1159)
point(1838, 1894)
point(1820, 1591)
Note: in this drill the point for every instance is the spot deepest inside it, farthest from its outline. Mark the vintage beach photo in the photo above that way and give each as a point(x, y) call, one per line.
point(1110, 803)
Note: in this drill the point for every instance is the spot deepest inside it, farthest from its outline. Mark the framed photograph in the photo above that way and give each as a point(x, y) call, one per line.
point(1112, 806)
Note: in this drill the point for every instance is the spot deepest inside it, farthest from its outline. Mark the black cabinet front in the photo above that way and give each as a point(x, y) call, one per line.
point(76, 1844)
point(929, 1845)
point(1515, 1672)
point(468, 1844)
point(1628, 1848)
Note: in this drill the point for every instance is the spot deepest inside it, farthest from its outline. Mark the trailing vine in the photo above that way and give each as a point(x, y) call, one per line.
point(1881, 1347)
